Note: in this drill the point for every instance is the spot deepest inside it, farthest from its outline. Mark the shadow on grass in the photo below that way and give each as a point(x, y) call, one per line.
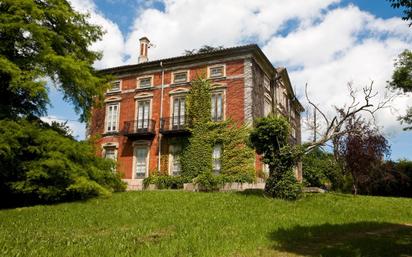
point(253, 192)
point(370, 239)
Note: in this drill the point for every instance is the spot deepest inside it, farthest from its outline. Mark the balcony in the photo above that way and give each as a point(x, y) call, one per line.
point(139, 128)
point(174, 125)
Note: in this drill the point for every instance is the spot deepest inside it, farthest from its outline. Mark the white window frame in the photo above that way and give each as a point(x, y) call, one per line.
point(107, 117)
point(223, 92)
point(136, 145)
point(214, 66)
point(220, 146)
point(145, 77)
point(266, 83)
point(172, 155)
point(110, 90)
point(268, 101)
point(172, 109)
point(180, 71)
point(293, 131)
point(143, 99)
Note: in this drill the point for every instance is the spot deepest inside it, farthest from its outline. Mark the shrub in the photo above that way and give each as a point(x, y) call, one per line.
point(212, 182)
point(321, 170)
point(39, 164)
point(165, 181)
point(283, 186)
point(270, 138)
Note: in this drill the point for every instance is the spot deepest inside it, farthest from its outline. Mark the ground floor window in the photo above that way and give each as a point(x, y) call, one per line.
point(110, 153)
point(141, 163)
point(175, 166)
point(216, 158)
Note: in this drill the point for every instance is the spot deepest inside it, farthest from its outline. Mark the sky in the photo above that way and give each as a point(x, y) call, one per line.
point(324, 43)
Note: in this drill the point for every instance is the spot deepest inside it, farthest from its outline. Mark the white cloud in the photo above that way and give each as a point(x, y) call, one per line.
point(112, 43)
point(330, 44)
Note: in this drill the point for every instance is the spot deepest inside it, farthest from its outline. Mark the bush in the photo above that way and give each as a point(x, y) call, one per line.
point(39, 164)
point(270, 138)
point(211, 182)
point(284, 186)
point(165, 181)
point(321, 170)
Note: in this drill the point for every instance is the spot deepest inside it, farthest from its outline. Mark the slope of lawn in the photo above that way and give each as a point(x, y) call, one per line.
point(177, 223)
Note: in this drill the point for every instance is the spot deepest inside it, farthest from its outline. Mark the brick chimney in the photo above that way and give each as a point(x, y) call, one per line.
point(144, 46)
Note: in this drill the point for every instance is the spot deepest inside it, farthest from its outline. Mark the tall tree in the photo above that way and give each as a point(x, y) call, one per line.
point(43, 39)
point(406, 5)
point(402, 80)
point(362, 152)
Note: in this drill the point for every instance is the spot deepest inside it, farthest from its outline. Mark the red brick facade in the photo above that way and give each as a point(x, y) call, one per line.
point(239, 66)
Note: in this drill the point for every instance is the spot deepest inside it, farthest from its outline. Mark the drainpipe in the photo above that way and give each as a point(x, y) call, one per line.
point(160, 117)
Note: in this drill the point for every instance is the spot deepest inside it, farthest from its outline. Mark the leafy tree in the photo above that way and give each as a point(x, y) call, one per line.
point(406, 5)
point(402, 80)
point(203, 49)
point(321, 170)
point(46, 39)
point(39, 164)
point(270, 138)
point(362, 151)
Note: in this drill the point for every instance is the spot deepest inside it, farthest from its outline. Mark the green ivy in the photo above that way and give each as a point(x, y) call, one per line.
point(196, 157)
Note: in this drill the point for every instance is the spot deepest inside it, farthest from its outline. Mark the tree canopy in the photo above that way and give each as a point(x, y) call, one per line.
point(406, 5)
point(402, 80)
point(43, 40)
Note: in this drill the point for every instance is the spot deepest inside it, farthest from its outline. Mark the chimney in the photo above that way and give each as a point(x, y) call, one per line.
point(144, 46)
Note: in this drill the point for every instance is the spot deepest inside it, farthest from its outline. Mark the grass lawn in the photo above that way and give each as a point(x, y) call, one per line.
point(176, 223)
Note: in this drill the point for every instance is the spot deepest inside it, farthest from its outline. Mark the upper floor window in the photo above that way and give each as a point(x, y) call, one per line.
point(217, 158)
point(292, 114)
point(267, 108)
point(293, 132)
point(145, 82)
point(180, 77)
point(112, 117)
point(217, 71)
point(115, 86)
point(217, 106)
point(266, 83)
point(178, 117)
point(143, 114)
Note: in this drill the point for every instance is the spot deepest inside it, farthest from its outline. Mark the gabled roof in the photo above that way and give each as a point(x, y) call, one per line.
point(283, 72)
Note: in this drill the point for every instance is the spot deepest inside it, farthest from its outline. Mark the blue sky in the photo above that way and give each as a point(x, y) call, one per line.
point(325, 43)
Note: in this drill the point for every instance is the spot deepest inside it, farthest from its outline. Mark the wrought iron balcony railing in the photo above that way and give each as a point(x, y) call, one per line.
point(139, 127)
point(174, 124)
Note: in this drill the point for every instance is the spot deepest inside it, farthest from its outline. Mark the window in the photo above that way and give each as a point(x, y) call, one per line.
point(110, 153)
point(292, 114)
point(112, 117)
point(141, 155)
point(293, 132)
point(217, 71)
point(267, 108)
point(217, 106)
point(175, 167)
point(145, 82)
point(143, 114)
point(216, 158)
point(115, 86)
point(178, 118)
point(266, 83)
point(180, 77)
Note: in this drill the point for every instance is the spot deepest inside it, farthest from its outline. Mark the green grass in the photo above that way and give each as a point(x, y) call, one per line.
point(176, 223)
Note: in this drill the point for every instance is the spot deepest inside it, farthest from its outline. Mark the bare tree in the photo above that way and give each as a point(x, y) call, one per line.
point(361, 102)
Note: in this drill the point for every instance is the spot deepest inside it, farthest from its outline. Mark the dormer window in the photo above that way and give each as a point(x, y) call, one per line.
point(145, 82)
point(180, 77)
point(115, 86)
point(217, 71)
